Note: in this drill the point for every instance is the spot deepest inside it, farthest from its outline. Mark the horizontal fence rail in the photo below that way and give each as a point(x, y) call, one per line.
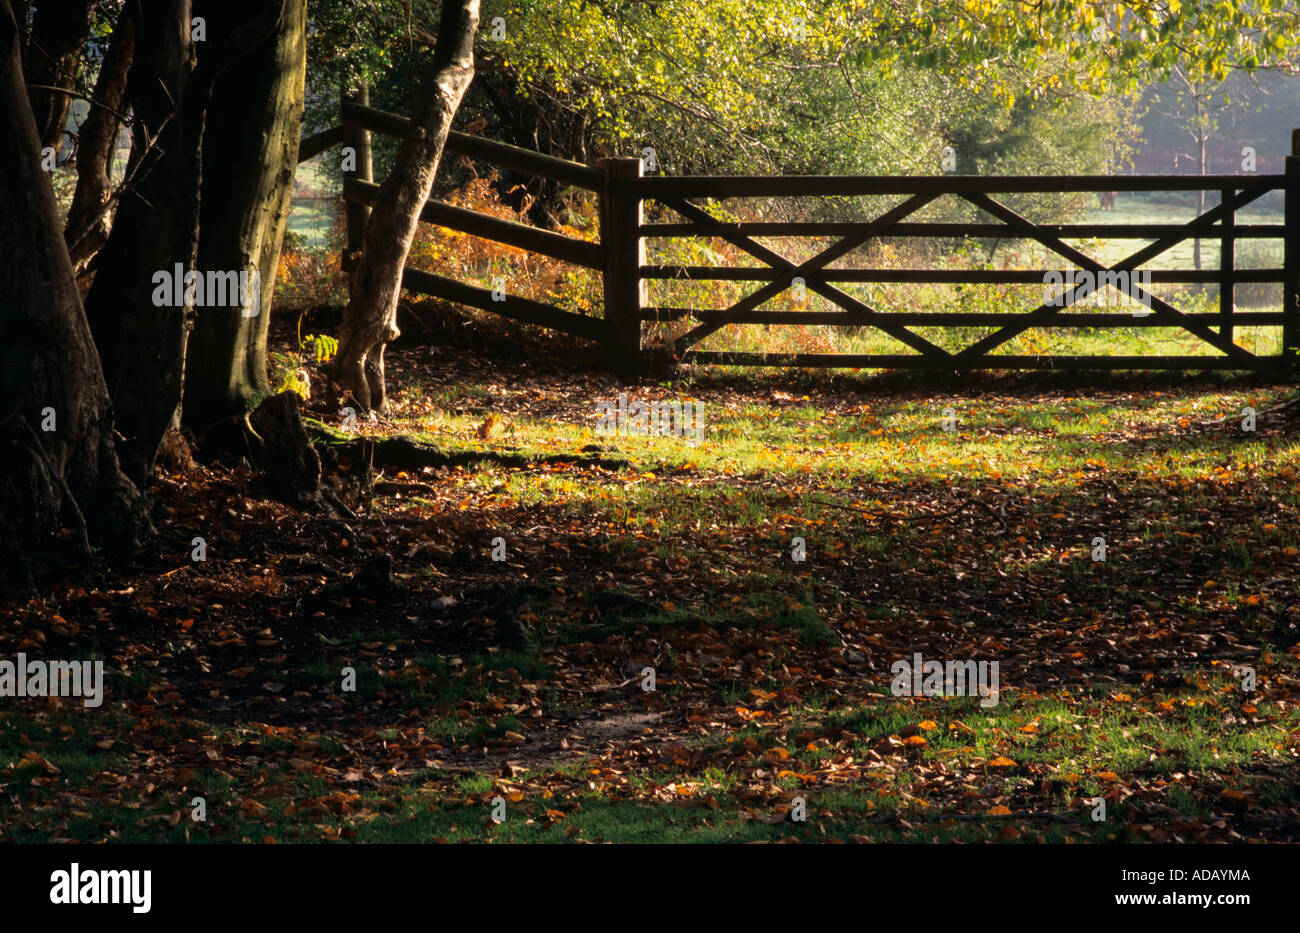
point(623, 190)
point(514, 307)
point(788, 186)
point(938, 276)
point(942, 230)
point(955, 318)
point(912, 361)
point(533, 239)
point(488, 150)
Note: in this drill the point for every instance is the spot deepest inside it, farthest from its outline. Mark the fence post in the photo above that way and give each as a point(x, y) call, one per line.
point(1291, 262)
point(358, 215)
point(1227, 260)
point(625, 290)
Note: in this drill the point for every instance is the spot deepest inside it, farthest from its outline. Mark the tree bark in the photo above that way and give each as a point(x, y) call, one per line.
point(1200, 195)
point(142, 346)
point(89, 220)
point(141, 330)
point(370, 318)
point(59, 32)
point(58, 468)
point(250, 155)
point(290, 463)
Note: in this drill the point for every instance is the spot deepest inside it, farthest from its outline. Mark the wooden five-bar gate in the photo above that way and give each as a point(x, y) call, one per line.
point(623, 188)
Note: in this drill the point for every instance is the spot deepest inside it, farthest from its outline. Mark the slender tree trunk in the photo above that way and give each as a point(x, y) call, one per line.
point(1200, 133)
point(1200, 195)
point(58, 467)
point(22, 13)
point(250, 155)
point(142, 345)
point(89, 220)
point(370, 319)
point(59, 32)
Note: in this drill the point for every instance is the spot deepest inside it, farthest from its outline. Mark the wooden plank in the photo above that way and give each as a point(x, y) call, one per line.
point(489, 150)
point(784, 276)
point(314, 145)
point(625, 291)
point(1227, 261)
point(661, 187)
point(357, 215)
point(953, 230)
point(533, 239)
point(844, 300)
point(1291, 262)
point(1112, 319)
point(916, 361)
point(514, 307)
point(931, 276)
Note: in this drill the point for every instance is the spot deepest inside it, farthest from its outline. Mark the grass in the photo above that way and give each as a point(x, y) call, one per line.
point(1120, 678)
point(906, 441)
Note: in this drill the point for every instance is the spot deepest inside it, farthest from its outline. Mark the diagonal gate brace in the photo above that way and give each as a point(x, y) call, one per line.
point(1045, 312)
point(738, 312)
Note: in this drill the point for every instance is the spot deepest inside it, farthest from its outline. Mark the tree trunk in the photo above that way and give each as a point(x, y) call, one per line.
point(370, 319)
point(1200, 134)
point(59, 33)
point(142, 345)
point(58, 468)
point(89, 220)
point(250, 155)
point(1200, 196)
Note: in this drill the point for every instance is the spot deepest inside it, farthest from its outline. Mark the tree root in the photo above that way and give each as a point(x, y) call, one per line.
point(402, 452)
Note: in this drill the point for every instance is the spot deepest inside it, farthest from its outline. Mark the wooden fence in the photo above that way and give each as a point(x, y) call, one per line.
point(620, 256)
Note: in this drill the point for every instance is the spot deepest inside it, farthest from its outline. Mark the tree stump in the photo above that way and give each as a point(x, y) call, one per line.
point(291, 465)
